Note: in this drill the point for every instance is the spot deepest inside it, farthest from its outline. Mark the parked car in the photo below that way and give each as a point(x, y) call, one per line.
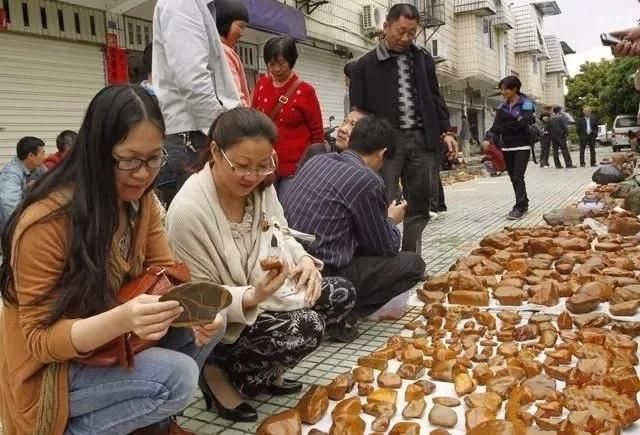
point(625, 130)
point(604, 136)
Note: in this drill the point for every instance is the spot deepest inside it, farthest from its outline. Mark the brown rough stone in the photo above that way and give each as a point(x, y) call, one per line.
point(582, 303)
point(347, 424)
point(405, 428)
point(415, 409)
point(313, 405)
point(284, 423)
point(340, 386)
point(442, 416)
point(352, 405)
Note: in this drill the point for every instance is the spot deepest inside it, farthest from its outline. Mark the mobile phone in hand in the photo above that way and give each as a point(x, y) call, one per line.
point(608, 40)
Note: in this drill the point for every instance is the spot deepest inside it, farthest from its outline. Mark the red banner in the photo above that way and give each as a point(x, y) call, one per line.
point(112, 40)
point(117, 65)
point(4, 25)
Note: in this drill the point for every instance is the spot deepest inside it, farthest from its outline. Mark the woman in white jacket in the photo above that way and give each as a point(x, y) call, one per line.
point(222, 223)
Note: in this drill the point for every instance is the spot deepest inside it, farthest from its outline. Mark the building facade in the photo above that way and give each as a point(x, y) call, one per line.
point(57, 54)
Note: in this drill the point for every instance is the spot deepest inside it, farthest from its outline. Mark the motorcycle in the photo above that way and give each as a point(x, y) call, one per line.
point(328, 131)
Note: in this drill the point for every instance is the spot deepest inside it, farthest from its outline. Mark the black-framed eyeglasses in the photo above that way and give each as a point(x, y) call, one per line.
point(246, 172)
point(133, 163)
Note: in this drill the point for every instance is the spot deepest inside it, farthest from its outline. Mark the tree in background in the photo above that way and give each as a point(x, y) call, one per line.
point(606, 86)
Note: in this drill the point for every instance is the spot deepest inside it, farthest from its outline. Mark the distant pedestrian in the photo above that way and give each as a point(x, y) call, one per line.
point(545, 140)
point(464, 136)
point(64, 142)
point(513, 117)
point(588, 132)
point(558, 129)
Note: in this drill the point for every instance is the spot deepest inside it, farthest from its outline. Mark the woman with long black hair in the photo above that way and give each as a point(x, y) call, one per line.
point(83, 231)
point(513, 117)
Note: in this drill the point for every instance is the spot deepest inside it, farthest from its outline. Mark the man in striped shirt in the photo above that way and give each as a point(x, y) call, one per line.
point(341, 199)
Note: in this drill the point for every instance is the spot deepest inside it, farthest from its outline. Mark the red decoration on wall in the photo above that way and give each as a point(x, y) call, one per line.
point(4, 25)
point(117, 65)
point(112, 40)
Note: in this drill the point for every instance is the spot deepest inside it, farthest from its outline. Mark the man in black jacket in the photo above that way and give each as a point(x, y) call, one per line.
point(558, 128)
point(588, 132)
point(397, 81)
point(545, 140)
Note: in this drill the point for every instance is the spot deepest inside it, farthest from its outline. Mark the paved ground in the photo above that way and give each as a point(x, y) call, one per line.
point(476, 208)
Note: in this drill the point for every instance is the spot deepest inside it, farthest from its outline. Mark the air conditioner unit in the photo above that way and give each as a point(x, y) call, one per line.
point(373, 18)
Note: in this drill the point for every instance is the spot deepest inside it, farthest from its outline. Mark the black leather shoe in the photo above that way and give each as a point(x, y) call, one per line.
point(288, 387)
point(241, 413)
point(582, 165)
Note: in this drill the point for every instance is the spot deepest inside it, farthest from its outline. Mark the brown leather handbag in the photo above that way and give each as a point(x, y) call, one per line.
point(154, 280)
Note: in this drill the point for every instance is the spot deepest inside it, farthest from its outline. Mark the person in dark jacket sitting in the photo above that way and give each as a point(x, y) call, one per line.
point(513, 117)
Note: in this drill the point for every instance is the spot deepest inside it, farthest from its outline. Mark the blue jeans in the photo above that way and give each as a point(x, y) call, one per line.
point(113, 400)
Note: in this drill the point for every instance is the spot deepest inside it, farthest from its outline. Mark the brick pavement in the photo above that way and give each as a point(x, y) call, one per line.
point(476, 208)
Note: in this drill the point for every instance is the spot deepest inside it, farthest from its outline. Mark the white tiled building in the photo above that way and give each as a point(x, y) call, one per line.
point(557, 71)
point(52, 58)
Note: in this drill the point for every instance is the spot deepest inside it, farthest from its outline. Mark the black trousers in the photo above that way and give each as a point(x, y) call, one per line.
point(278, 341)
point(588, 141)
point(545, 150)
point(379, 279)
point(440, 204)
point(184, 150)
point(517, 162)
point(561, 143)
point(418, 170)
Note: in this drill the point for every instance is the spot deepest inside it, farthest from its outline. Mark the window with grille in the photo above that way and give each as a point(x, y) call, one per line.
point(130, 29)
point(43, 18)
point(25, 14)
point(60, 20)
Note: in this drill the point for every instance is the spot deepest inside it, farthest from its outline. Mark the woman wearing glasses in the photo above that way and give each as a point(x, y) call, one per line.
point(222, 224)
point(82, 232)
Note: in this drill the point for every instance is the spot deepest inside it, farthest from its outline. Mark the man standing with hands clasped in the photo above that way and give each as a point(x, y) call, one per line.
point(397, 81)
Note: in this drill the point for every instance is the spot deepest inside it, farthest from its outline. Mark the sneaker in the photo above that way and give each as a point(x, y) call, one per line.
point(433, 215)
point(582, 165)
point(516, 214)
point(571, 167)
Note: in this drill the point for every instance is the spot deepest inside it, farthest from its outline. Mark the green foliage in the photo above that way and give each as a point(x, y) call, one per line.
point(572, 135)
point(606, 86)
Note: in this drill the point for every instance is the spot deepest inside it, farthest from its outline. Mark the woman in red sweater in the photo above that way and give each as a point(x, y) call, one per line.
point(291, 103)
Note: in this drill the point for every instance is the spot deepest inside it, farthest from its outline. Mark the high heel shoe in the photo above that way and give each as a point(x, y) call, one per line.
point(241, 413)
